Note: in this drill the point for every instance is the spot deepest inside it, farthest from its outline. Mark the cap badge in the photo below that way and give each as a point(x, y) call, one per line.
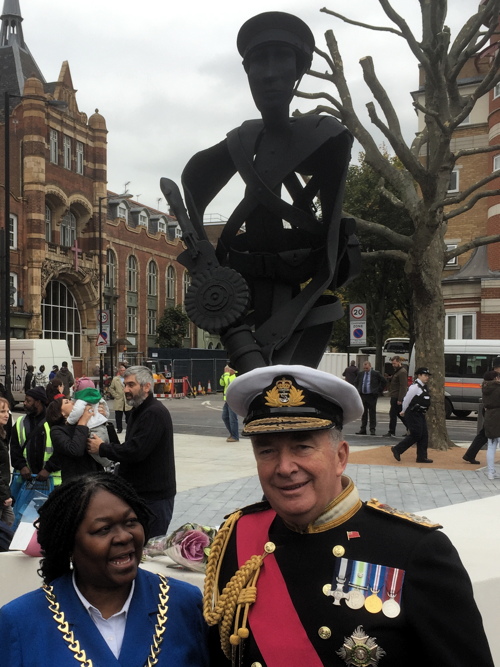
point(284, 394)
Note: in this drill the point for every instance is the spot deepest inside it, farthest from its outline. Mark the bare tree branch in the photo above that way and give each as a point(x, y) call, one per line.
point(470, 204)
point(476, 151)
point(371, 256)
point(474, 243)
point(359, 24)
point(462, 196)
point(401, 241)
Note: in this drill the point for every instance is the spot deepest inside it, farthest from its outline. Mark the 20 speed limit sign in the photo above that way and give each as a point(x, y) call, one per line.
point(358, 311)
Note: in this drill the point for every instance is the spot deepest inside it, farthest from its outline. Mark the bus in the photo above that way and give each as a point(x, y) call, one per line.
point(465, 363)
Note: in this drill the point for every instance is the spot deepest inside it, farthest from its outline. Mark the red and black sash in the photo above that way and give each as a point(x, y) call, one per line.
point(273, 615)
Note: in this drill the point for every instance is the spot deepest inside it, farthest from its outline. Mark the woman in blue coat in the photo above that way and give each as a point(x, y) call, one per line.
point(96, 607)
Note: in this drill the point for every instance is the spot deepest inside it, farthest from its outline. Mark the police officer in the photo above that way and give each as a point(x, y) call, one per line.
point(313, 576)
point(30, 445)
point(415, 404)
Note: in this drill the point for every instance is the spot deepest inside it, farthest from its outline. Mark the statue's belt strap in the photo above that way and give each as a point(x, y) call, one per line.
point(273, 614)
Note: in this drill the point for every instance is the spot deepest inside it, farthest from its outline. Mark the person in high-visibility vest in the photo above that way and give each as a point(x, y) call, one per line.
point(229, 417)
point(31, 450)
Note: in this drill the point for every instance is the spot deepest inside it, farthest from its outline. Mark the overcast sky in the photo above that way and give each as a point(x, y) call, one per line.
point(169, 81)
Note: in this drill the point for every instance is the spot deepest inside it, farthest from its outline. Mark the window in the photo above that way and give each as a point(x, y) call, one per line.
point(67, 152)
point(143, 220)
point(496, 91)
point(132, 274)
point(162, 225)
point(187, 282)
point(123, 212)
point(54, 149)
point(68, 230)
point(170, 288)
point(152, 279)
point(48, 224)
point(14, 301)
point(178, 233)
point(461, 325)
point(61, 319)
point(151, 322)
point(454, 260)
point(454, 181)
point(131, 319)
point(110, 278)
point(79, 157)
point(496, 163)
point(13, 231)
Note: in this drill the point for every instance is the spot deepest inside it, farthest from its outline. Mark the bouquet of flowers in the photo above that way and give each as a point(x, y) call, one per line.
point(188, 546)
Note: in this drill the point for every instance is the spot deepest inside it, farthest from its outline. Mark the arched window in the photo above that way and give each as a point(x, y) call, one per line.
point(48, 224)
point(61, 318)
point(132, 274)
point(110, 279)
point(170, 286)
point(68, 230)
point(152, 279)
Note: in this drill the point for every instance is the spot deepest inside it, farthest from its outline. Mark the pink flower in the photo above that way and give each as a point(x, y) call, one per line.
point(193, 545)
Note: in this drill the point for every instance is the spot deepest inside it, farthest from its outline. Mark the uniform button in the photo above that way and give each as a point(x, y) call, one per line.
point(326, 589)
point(338, 551)
point(269, 547)
point(324, 632)
point(256, 664)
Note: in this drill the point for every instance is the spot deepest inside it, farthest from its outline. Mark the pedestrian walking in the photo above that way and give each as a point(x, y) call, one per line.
point(229, 416)
point(480, 440)
point(66, 377)
point(397, 390)
point(491, 402)
point(415, 404)
point(117, 391)
point(370, 384)
point(351, 373)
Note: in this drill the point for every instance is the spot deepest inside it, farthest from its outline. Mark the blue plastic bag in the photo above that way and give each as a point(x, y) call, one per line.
point(31, 490)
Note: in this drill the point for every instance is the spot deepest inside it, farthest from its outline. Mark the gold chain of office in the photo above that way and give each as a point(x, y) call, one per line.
point(74, 645)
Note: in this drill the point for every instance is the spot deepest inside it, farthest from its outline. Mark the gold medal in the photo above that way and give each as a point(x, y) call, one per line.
point(373, 604)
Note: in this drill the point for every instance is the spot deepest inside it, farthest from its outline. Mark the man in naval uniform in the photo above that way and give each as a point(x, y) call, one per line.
point(314, 576)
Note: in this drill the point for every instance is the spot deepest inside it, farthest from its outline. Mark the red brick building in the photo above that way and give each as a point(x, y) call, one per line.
point(471, 282)
point(58, 184)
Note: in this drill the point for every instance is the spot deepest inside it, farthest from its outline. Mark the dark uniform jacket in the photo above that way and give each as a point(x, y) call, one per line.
point(491, 403)
point(438, 625)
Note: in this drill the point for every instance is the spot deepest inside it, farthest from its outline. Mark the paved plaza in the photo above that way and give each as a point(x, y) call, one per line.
point(216, 477)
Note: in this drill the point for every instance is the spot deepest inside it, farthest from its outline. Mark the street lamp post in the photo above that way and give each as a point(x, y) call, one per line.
point(6, 248)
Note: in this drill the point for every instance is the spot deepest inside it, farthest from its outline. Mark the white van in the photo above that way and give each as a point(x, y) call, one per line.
point(32, 352)
point(465, 363)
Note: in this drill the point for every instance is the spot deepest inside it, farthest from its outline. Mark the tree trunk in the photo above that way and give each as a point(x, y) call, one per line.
point(424, 269)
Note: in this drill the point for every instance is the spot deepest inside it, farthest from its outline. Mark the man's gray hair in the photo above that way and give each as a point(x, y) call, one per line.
point(143, 375)
point(335, 436)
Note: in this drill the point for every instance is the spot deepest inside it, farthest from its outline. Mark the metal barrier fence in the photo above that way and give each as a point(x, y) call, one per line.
point(200, 375)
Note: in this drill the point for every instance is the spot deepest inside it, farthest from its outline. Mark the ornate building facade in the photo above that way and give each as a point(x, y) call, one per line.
point(65, 260)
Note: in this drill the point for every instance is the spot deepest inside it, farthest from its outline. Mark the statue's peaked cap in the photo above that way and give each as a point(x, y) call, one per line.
point(277, 27)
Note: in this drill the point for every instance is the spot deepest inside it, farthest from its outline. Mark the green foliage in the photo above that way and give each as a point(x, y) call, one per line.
point(382, 285)
point(172, 327)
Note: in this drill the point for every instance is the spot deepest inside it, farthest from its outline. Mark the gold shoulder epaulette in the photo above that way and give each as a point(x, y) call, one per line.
point(375, 504)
